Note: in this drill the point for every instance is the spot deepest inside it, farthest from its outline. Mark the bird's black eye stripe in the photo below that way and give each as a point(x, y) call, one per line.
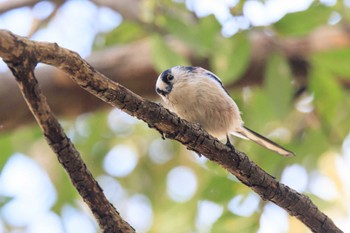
point(166, 76)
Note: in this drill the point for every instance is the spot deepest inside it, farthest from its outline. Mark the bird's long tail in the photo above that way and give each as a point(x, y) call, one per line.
point(265, 142)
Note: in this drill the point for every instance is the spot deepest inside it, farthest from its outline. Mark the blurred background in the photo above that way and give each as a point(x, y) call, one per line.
point(286, 64)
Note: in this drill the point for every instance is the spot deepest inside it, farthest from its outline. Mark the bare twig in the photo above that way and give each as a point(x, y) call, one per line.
point(15, 49)
point(38, 23)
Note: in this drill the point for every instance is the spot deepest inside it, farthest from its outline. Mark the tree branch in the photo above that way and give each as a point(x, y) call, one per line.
point(16, 50)
point(22, 66)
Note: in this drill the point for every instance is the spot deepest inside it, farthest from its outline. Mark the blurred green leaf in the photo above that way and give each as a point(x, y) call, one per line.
point(334, 61)
point(4, 200)
point(18, 141)
point(7, 149)
point(331, 100)
point(232, 57)
point(67, 194)
point(257, 111)
point(229, 222)
point(163, 56)
point(301, 23)
point(177, 27)
point(178, 216)
point(126, 32)
point(199, 35)
point(219, 189)
point(208, 30)
point(313, 143)
point(278, 85)
point(95, 145)
point(327, 92)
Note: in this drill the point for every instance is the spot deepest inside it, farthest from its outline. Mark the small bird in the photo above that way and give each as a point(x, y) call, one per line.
point(198, 96)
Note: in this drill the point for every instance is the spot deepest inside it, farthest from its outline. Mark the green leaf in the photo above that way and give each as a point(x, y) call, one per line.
point(301, 23)
point(163, 56)
point(229, 223)
point(177, 27)
point(327, 92)
point(6, 149)
point(17, 141)
point(232, 57)
point(219, 189)
point(278, 85)
point(198, 36)
point(67, 194)
point(124, 33)
point(334, 61)
point(207, 31)
point(314, 143)
point(4, 200)
point(257, 111)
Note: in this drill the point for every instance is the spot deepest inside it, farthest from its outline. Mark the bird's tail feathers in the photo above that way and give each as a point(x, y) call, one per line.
point(237, 134)
point(263, 141)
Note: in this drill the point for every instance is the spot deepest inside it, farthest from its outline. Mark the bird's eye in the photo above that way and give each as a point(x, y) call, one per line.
point(170, 77)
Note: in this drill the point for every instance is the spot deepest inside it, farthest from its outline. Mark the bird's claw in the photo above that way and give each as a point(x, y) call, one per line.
point(229, 144)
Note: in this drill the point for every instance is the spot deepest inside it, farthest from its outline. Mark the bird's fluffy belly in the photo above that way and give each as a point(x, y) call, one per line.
point(217, 118)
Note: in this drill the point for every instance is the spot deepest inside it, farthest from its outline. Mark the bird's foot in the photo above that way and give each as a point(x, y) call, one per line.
point(229, 144)
point(161, 133)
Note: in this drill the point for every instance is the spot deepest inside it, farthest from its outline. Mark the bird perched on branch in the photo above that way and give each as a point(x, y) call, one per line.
point(198, 96)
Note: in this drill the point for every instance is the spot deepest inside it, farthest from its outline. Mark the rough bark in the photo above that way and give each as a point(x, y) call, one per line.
point(15, 51)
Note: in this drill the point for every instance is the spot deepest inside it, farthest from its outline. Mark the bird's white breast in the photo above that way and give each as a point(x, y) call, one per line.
point(204, 101)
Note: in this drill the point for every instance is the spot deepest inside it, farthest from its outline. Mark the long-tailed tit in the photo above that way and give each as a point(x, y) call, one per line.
point(198, 96)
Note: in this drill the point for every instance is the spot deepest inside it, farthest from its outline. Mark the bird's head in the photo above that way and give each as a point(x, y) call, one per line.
point(183, 79)
point(165, 83)
point(172, 78)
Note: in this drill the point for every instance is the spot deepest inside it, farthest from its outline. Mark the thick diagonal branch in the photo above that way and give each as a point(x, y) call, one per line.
point(14, 48)
point(108, 218)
